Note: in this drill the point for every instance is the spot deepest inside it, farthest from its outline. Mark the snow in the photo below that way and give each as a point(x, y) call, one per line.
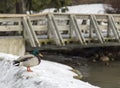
point(83, 9)
point(46, 75)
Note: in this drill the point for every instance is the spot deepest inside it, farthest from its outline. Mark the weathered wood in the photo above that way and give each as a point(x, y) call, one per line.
point(115, 26)
point(28, 32)
point(57, 30)
point(78, 34)
point(53, 30)
point(63, 29)
point(10, 28)
point(98, 32)
point(33, 33)
point(112, 27)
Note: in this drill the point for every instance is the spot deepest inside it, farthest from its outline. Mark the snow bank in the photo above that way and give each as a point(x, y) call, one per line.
point(46, 75)
point(83, 9)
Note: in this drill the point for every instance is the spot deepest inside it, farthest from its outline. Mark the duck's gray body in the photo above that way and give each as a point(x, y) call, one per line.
point(28, 60)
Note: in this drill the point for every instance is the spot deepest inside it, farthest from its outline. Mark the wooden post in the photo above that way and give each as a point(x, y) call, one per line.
point(90, 29)
point(108, 28)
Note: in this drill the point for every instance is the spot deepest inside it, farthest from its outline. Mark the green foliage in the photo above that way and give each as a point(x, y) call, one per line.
point(5, 6)
point(57, 4)
point(8, 6)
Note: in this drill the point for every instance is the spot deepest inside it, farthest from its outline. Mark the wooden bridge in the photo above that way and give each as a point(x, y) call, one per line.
point(58, 30)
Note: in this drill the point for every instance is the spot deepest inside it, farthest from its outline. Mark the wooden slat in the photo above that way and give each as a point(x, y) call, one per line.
point(11, 28)
point(40, 28)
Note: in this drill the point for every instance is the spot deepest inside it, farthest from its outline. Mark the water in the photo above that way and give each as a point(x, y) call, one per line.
point(104, 76)
point(95, 73)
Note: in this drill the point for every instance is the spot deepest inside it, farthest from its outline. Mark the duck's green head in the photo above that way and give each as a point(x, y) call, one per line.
point(35, 52)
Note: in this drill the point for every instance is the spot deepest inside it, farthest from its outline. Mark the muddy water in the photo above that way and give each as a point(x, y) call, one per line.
point(103, 76)
point(95, 73)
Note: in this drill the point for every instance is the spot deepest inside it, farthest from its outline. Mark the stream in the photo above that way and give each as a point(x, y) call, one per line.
point(96, 73)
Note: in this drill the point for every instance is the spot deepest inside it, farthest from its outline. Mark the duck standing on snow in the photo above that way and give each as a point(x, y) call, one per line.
point(30, 60)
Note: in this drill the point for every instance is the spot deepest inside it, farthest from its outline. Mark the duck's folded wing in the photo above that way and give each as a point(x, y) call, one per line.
point(24, 58)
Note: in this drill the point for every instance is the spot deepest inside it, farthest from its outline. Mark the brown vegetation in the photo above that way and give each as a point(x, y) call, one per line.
point(75, 2)
point(114, 4)
point(111, 6)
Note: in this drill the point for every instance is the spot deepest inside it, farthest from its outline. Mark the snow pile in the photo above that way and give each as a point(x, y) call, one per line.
point(46, 75)
point(83, 9)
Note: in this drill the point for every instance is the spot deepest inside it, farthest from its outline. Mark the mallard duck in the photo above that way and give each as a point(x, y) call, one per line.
point(30, 60)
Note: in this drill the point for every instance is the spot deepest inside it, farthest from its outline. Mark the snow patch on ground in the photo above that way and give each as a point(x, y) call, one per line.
point(83, 9)
point(46, 75)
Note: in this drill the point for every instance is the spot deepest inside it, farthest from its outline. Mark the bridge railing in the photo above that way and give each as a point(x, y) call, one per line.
point(10, 24)
point(63, 29)
point(11, 34)
point(83, 29)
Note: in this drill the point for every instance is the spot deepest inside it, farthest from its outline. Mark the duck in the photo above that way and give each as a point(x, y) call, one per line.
point(105, 59)
point(29, 60)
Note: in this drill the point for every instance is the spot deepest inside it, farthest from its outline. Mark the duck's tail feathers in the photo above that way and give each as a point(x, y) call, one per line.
point(16, 63)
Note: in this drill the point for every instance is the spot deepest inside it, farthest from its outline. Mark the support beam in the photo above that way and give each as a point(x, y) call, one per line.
point(33, 32)
point(113, 27)
point(28, 32)
point(97, 29)
point(57, 30)
point(54, 29)
point(77, 29)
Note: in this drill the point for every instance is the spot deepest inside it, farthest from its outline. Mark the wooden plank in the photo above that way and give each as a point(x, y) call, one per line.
point(7, 19)
point(12, 15)
point(84, 17)
point(102, 27)
point(45, 28)
point(11, 28)
point(37, 17)
point(40, 28)
point(103, 17)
